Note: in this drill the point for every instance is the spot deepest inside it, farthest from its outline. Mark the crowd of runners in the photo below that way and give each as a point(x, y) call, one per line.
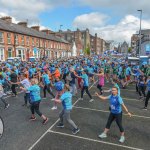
point(63, 79)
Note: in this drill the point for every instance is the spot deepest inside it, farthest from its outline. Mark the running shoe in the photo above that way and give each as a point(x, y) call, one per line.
point(75, 131)
point(24, 105)
point(52, 99)
point(122, 139)
point(44, 98)
point(91, 100)
point(60, 125)
point(145, 108)
point(54, 108)
point(32, 118)
point(80, 99)
point(6, 106)
point(103, 135)
point(45, 121)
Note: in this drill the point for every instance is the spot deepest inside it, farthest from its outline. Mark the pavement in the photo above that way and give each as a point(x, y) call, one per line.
point(91, 118)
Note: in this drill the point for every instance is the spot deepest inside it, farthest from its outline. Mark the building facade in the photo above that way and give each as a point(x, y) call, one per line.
point(17, 40)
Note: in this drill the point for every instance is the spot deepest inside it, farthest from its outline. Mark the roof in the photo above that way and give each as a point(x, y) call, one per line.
point(28, 31)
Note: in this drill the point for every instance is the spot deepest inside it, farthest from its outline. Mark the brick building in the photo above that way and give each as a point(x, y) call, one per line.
point(17, 40)
point(83, 39)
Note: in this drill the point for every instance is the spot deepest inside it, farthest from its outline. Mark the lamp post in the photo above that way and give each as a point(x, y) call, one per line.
point(140, 31)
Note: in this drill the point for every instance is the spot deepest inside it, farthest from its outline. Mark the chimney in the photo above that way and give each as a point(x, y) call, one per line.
point(24, 24)
point(36, 28)
point(47, 31)
point(7, 19)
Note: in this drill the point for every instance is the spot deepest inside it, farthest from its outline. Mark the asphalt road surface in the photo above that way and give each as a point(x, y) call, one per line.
point(22, 134)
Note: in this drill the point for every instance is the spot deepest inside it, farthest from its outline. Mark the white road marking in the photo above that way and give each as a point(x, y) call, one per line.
point(94, 140)
point(40, 138)
point(105, 111)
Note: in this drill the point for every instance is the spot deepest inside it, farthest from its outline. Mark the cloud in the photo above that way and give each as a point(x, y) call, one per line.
point(29, 9)
point(121, 31)
point(120, 7)
point(90, 20)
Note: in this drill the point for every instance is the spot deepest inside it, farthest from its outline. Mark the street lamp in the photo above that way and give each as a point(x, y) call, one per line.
point(140, 31)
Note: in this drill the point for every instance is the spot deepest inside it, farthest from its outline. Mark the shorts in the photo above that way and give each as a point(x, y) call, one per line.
point(128, 78)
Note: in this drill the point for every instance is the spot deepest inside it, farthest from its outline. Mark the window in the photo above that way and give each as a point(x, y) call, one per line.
point(2, 54)
point(51, 45)
point(45, 44)
point(9, 52)
point(32, 41)
point(1, 37)
point(41, 43)
point(37, 42)
point(16, 39)
point(27, 41)
point(22, 40)
point(9, 38)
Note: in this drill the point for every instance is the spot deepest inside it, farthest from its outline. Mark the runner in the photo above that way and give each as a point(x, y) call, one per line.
point(35, 100)
point(2, 96)
point(101, 80)
point(85, 85)
point(66, 100)
point(59, 86)
point(116, 104)
point(148, 93)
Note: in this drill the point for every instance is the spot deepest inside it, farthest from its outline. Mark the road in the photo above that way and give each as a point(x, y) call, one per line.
point(22, 134)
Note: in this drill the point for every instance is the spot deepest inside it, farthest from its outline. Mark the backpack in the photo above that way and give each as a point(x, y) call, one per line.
point(59, 86)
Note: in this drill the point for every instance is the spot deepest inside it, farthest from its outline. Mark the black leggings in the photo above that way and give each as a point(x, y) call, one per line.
point(118, 118)
point(86, 90)
point(13, 88)
point(100, 89)
point(142, 89)
point(47, 87)
point(35, 108)
point(147, 98)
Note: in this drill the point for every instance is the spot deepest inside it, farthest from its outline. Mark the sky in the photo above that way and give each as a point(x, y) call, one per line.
point(111, 19)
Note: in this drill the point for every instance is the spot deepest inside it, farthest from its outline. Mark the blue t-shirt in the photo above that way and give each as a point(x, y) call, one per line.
point(45, 78)
point(115, 104)
point(85, 80)
point(128, 71)
point(148, 85)
point(90, 70)
point(66, 99)
point(2, 81)
point(34, 93)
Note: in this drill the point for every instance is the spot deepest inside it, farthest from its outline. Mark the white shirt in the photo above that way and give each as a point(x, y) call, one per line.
point(26, 84)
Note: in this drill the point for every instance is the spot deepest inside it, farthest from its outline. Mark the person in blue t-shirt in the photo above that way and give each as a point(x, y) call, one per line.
point(85, 79)
point(148, 93)
point(35, 100)
point(66, 100)
point(47, 83)
point(116, 104)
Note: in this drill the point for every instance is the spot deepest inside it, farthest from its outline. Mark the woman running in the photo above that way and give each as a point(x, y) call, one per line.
point(101, 80)
point(116, 104)
point(66, 100)
point(35, 100)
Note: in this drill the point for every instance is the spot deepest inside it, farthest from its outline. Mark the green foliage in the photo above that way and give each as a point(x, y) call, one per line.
point(87, 50)
point(129, 50)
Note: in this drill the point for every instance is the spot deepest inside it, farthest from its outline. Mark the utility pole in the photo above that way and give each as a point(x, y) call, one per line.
point(140, 32)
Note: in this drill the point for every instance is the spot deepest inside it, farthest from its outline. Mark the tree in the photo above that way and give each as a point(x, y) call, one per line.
point(87, 50)
point(129, 50)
